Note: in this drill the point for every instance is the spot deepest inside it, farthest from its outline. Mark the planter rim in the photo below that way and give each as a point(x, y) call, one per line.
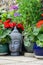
point(38, 51)
point(37, 46)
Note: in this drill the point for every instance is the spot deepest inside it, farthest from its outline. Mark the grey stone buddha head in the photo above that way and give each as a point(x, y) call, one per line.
point(16, 41)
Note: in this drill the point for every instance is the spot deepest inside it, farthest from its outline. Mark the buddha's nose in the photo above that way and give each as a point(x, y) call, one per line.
point(12, 45)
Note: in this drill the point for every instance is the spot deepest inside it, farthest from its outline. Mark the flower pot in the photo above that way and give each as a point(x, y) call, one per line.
point(38, 51)
point(3, 49)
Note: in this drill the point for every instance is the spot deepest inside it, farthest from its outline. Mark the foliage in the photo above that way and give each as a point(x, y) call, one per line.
point(30, 14)
point(3, 34)
point(29, 10)
point(5, 39)
point(7, 24)
point(28, 36)
point(38, 35)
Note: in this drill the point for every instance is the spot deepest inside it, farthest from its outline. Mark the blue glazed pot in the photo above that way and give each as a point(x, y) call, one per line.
point(38, 50)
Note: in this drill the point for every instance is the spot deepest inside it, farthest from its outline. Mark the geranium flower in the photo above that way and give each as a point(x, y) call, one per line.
point(41, 14)
point(7, 21)
point(6, 25)
point(39, 24)
point(20, 26)
point(12, 24)
point(0, 21)
point(9, 24)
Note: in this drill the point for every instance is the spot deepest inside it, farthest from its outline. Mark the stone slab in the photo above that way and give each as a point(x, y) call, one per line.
point(29, 54)
point(20, 60)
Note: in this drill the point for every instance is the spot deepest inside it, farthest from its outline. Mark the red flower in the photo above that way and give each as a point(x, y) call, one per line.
point(0, 21)
point(7, 21)
point(12, 24)
point(39, 24)
point(41, 14)
point(6, 25)
point(20, 26)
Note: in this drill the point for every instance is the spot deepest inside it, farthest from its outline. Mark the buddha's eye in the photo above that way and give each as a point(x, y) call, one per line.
point(16, 42)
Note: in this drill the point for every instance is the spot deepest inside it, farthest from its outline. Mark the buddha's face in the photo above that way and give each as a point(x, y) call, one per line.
point(14, 46)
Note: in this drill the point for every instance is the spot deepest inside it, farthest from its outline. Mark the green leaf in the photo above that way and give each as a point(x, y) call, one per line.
point(36, 31)
point(39, 43)
point(4, 33)
point(40, 37)
point(26, 42)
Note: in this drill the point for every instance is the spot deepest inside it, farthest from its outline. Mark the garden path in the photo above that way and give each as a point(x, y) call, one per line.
point(20, 60)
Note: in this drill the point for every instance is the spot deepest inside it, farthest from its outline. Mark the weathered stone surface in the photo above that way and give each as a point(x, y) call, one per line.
point(20, 60)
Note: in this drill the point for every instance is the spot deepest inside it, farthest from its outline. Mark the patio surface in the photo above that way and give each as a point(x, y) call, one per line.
point(20, 60)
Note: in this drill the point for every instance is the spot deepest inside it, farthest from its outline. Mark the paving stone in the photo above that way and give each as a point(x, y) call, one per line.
point(20, 60)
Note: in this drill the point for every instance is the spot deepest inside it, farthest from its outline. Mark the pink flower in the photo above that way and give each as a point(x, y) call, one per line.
point(13, 7)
